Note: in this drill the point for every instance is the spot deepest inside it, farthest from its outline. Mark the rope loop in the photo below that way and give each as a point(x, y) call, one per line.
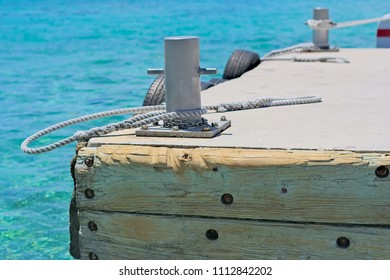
point(148, 115)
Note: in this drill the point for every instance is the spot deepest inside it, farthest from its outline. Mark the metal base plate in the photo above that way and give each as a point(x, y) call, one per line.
point(317, 49)
point(193, 132)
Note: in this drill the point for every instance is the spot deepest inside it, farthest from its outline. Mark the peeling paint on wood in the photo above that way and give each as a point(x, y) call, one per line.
point(307, 186)
point(155, 202)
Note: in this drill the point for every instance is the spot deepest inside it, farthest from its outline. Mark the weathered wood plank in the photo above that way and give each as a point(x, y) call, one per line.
point(290, 202)
point(133, 236)
point(283, 185)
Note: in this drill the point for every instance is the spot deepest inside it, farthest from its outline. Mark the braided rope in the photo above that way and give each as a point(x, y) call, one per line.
point(326, 24)
point(39, 134)
point(264, 102)
point(302, 47)
point(315, 59)
point(150, 114)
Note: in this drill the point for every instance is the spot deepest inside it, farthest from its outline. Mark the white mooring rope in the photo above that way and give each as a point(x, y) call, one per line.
point(301, 48)
point(307, 59)
point(298, 48)
point(326, 24)
point(148, 115)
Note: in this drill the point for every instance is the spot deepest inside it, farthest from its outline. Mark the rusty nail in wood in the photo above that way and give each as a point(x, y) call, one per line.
point(283, 190)
point(227, 198)
point(382, 171)
point(215, 168)
point(92, 226)
point(88, 161)
point(223, 118)
point(212, 234)
point(93, 256)
point(343, 242)
point(89, 193)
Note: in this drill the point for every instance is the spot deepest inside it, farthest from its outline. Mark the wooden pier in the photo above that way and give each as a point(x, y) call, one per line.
point(292, 182)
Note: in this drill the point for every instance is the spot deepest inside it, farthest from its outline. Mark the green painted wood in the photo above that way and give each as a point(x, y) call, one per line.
point(136, 236)
point(299, 186)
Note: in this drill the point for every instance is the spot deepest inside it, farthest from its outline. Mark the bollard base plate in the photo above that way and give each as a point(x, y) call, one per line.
point(192, 132)
point(329, 49)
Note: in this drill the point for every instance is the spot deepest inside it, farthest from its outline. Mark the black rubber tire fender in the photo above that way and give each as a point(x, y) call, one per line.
point(205, 85)
point(156, 92)
point(217, 81)
point(240, 61)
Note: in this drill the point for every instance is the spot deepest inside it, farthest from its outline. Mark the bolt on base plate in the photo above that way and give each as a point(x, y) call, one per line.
point(192, 132)
point(318, 49)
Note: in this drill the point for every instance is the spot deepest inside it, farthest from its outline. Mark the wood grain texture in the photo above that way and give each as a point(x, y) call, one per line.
point(134, 236)
point(279, 185)
point(299, 175)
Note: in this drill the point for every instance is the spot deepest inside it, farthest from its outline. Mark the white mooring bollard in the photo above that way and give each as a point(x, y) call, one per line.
point(182, 73)
point(182, 91)
point(321, 37)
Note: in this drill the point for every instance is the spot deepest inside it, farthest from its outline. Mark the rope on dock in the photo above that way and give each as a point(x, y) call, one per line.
point(326, 24)
point(148, 115)
point(298, 48)
point(306, 59)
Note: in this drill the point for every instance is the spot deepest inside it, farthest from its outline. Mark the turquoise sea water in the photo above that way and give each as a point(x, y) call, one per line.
point(60, 59)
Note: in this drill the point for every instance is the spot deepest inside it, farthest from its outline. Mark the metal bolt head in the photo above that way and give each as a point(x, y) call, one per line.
point(93, 256)
point(215, 124)
point(343, 242)
point(144, 127)
point(92, 226)
point(175, 128)
point(223, 118)
point(212, 234)
point(89, 193)
point(227, 198)
point(206, 128)
point(88, 161)
point(382, 172)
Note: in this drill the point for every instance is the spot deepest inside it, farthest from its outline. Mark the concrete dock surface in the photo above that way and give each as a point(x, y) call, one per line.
point(354, 113)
